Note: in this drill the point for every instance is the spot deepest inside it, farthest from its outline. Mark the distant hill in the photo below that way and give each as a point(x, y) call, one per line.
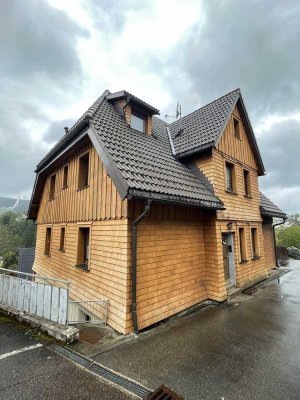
point(15, 205)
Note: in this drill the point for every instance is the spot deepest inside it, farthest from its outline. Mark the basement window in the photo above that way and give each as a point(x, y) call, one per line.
point(247, 186)
point(83, 177)
point(48, 241)
point(242, 240)
point(52, 187)
point(230, 177)
point(236, 128)
point(138, 122)
point(65, 176)
point(254, 242)
point(83, 248)
point(62, 239)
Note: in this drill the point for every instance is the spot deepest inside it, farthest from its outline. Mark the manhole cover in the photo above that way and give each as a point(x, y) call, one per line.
point(91, 334)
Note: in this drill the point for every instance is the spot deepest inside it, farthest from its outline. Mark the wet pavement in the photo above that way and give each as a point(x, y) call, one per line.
point(249, 349)
point(38, 373)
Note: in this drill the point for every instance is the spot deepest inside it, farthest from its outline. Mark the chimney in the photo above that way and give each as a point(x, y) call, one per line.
point(66, 129)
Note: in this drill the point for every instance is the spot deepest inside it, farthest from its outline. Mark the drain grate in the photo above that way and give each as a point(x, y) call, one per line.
point(104, 372)
point(164, 393)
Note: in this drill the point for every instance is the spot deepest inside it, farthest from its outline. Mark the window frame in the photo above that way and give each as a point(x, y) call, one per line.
point(242, 244)
point(231, 167)
point(52, 187)
point(62, 243)
point(81, 248)
point(136, 114)
point(83, 183)
point(48, 241)
point(247, 183)
point(236, 123)
point(254, 243)
point(65, 176)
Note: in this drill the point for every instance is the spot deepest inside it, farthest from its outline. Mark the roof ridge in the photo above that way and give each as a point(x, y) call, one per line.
point(206, 105)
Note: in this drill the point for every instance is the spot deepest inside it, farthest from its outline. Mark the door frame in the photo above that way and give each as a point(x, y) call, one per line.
point(231, 258)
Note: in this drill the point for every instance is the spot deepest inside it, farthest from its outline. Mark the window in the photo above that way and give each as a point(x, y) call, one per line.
point(254, 242)
point(247, 187)
point(230, 177)
point(65, 177)
point(138, 122)
point(83, 248)
point(236, 128)
point(83, 178)
point(52, 187)
point(242, 241)
point(62, 239)
point(48, 241)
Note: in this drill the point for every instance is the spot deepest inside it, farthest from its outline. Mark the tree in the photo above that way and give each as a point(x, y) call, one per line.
point(289, 236)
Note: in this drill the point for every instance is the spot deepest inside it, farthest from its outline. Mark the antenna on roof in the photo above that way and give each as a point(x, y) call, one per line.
point(178, 112)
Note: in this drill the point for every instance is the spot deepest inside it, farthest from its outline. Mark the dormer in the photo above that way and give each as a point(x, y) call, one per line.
point(137, 113)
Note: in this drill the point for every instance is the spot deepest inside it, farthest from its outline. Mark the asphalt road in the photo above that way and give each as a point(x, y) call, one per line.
point(40, 374)
point(248, 350)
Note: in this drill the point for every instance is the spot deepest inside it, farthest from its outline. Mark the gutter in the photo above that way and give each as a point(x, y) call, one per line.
point(146, 211)
point(274, 239)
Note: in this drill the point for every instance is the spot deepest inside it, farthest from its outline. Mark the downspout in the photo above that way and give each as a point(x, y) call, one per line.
point(134, 258)
point(274, 239)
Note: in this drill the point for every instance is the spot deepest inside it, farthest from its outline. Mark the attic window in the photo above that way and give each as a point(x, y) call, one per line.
point(236, 128)
point(65, 176)
point(52, 187)
point(138, 122)
point(83, 177)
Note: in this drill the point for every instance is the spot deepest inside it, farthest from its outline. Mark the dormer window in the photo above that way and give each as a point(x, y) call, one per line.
point(138, 122)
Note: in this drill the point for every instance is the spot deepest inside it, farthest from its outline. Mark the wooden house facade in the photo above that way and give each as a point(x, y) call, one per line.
point(154, 217)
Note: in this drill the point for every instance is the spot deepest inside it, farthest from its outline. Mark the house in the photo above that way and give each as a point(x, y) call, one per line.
point(154, 217)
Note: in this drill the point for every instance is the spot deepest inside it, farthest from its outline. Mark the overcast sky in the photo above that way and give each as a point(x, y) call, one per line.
point(58, 56)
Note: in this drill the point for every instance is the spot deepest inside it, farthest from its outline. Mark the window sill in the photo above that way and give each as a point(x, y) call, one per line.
point(83, 267)
point(82, 188)
point(230, 192)
point(47, 255)
point(51, 199)
point(64, 187)
point(243, 261)
point(61, 251)
point(255, 258)
point(247, 197)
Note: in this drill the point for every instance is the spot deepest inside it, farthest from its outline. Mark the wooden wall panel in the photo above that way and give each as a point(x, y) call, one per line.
point(270, 259)
point(109, 268)
point(100, 200)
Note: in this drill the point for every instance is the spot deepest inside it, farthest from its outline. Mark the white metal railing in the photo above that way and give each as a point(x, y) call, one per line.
point(35, 295)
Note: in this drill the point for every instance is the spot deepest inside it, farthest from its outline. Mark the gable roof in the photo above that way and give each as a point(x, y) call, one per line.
point(269, 209)
point(203, 128)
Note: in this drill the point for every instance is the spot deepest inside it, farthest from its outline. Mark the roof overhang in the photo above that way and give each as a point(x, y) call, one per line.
point(130, 99)
point(266, 213)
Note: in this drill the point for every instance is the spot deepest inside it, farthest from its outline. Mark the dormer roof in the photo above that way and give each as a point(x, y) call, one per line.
point(131, 99)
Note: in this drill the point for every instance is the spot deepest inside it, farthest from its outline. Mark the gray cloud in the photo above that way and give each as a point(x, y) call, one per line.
point(39, 69)
point(247, 44)
point(280, 149)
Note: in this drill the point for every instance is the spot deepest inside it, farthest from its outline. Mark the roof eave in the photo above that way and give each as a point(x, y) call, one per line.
point(274, 214)
point(197, 150)
point(175, 200)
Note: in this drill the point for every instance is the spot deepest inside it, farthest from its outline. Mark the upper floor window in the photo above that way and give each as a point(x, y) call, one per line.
point(138, 122)
point(52, 187)
point(48, 241)
point(230, 177)
point(65, 176)
point(247, 186)
point(83, 177)
point(236, 128)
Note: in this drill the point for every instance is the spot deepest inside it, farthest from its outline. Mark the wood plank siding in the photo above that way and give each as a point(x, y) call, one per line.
point(269, 250)
point(99, 201)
